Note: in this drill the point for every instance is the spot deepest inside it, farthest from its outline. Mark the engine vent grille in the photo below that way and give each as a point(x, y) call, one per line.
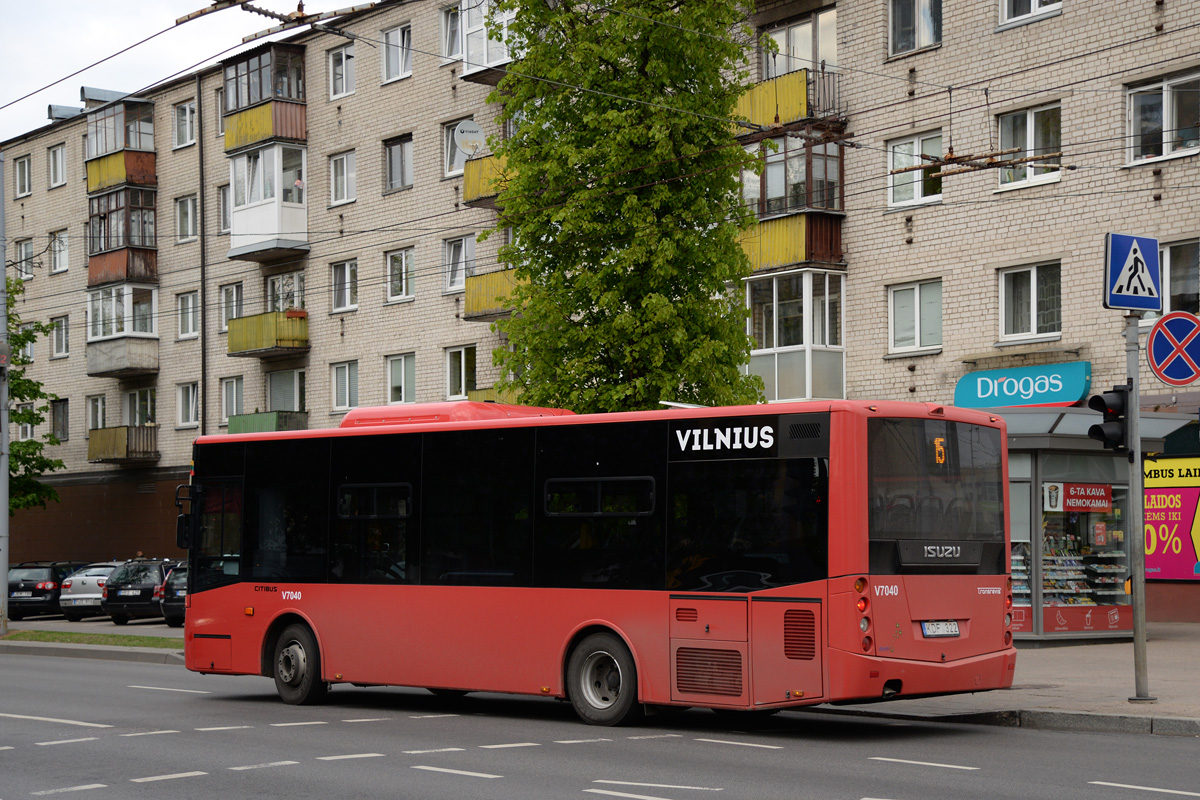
point(800, 635)
point(686, 615)
point(699, 670)
point(804, 430)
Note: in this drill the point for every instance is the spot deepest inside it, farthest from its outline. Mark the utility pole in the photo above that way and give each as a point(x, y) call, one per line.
point(1136, 525)
point(6, 356)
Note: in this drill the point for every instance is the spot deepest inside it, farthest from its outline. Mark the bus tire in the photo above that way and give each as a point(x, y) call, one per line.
point(602, 681)
point(297, 667)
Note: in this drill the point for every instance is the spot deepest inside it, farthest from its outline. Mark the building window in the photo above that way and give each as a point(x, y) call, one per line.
point(220, 112)
point(59, 254)
point(231, 398)
point(345, 285)
point(915, 24)
point(185, 219)
point(398, 163)
point(123, 126)
point(795, 176)
point(1030, 301)
point(456, 157)
point(185, 124)
point(23, 258)
point(916, 185)
point(60, 419)
point(397, 53)
point(399, 274)
point(141, 407)
point(254, 177)
point(345, 386)
point(1165, 118)
point(342, 178)
point(189, 314)
point(1012, 10)
point(1180, 278)
point(803, 44)
point(293, 163)
point(231, 303)
point(57, 165)
point(224, 210)
point(26, 354)
point(916, 316)
point(459, 257)
point(23, 176)
point(402, 378)
point(451, 33)
point(60, 337)
point(460, 372)
point(189, 404)
point(486, 35)
point(341, 71)
point(1034, 132)
point(285, 291)
point(124, 218)
point(285, 390)
point(275, 73)
point(796, 327)
point(122, 310)
point(24, 411)
point(96, 412)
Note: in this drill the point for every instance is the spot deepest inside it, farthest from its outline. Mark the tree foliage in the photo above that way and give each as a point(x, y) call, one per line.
point(28, 405)
point(621, 192)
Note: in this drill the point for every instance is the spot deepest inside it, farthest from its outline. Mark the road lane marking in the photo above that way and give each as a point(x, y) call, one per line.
point(742, 744)
point(148, 733)
point(921, 763)
point(175, 776)
point(579, 741)
point(227, 728)
point(352, 755)
point(663, 786)
point(658, 736)
point(514, 744)
point(458, 772)
point(295, 724)
point(368, 719)
point(1144, 788)
point(72, 789)
point(62, 721)
point(626, 794)
point(66, 741)
point(433, 716)
point(6, 748)
point(438, 750)
point(265, 766)
point(168, 689)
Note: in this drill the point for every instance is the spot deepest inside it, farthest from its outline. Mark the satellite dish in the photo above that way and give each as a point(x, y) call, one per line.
point(468, 137)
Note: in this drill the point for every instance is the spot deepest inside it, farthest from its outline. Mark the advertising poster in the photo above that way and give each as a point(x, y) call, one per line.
point(1172, 492)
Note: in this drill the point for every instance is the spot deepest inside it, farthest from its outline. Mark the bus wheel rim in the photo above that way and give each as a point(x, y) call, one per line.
point(293, 663)
point(601, 680)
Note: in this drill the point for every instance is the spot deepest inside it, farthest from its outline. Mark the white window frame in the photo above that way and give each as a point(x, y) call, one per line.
point(220, 126)
point(398, 157)
point(231, 303)
point(252, 176)
point(186, 222)
point(232, 397)
point(29, 349)
point(24, 429)
point(1030, 173)
point(344, 376)
point(124, 309)
point(56, 158)
point(452, 164)
point(1037, 10)
point(464, 376)
point(1166, 255)
point(97, 412)
point(1170, 147)
point(298, 388)
point(479, 50)
point(23, 259)
point(23, 176)
point(343, 84)
point(914, 178)
point(344, 280)
point(60, 337)
point(183, 124)
point(923, 36)
point(285, 291)
point(458, 256)
point(141, 407)
point(60, 257)
point(1031, 334)
point(187, 396)
point(397, 48)
point(188, 305)
point(802, 44)
point(399, 279)
point(922, 292)
point(451, 33)
point(343, 178)
point(224, 209)
point(401, 378)
point(60, 419)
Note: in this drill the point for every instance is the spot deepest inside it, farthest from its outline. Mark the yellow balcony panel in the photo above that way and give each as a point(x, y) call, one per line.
point(127, 444)
point(122, 167)
point(492, 395)
point(777, 242)
point(483, 178)
point(268, 422)
point(486, 294)
point(786, 95)
point(276, 119)
point(276, 333)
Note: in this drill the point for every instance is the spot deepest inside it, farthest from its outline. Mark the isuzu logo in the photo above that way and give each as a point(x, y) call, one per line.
point(943, 551)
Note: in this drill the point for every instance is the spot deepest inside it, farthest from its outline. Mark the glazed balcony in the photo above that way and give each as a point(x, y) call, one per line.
point(270, 335)
point(483, 178)
point(487, 294)
point(794, 239)
point(269, 422)
point(127, 445)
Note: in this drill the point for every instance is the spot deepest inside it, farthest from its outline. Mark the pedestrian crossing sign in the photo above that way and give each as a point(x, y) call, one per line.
point(1132, 276)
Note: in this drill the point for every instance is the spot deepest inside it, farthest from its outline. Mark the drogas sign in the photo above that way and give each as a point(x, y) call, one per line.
point(1045, 385)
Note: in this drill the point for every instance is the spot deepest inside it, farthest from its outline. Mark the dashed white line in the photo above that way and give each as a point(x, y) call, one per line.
point(264, 766)
point(921, 763)
point(626, 794)
point(662, 786)
point(295, 724)
point(169, 689)
point(741, 744)
point(658, 736)
point(53, 719)
point(71, 789)
point(148, 733)
point(438, 750)
point(227, 728)
point(579, 741)
point(66, 741)
point(368, 719)
point(175, 776)
point(1145, 788)
point(433, 716)
point(352, 755)
point(6, 747)
point(504, 746)
point(458, 772)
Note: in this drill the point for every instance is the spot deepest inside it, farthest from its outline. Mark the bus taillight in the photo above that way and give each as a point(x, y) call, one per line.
point(860, 585)
point(866, 644)
point(863, 603)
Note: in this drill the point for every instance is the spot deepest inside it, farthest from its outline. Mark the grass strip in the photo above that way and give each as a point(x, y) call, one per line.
point(108, 639)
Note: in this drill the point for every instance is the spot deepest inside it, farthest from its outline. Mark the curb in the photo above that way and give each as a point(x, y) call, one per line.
point(1074, 721)
point(143, 655)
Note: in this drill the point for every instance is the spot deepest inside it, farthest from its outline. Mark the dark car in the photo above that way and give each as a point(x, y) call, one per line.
point(173, 596)
point(129, 591)
point(34, 587)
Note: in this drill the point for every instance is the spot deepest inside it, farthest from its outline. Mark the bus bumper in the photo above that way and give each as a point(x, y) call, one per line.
point(855, 677)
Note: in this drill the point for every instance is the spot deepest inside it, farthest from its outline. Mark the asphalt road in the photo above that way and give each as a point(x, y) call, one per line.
point(98, 729)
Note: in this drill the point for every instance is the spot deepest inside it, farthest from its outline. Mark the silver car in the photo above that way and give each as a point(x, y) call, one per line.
point(81, 591)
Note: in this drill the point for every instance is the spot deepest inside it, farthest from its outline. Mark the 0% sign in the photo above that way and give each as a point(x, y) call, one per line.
point(1163, 539)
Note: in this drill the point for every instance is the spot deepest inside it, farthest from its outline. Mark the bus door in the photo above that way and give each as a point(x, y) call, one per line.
point(786, 648)
point(709, 651)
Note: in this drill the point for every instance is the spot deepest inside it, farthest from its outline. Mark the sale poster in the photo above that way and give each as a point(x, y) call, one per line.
point(1172, 529)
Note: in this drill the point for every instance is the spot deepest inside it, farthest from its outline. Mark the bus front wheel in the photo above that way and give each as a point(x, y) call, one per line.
point(298, 667)
point(602, 681)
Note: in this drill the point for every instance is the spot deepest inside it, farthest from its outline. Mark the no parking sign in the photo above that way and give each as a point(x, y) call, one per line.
point(1173, 349)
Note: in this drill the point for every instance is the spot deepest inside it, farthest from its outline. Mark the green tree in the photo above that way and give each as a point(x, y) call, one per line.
point(28, 405)
point(621, 191)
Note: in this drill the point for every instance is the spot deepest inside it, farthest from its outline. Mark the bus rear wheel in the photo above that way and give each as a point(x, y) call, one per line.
point(298, 667)
point(602, 681)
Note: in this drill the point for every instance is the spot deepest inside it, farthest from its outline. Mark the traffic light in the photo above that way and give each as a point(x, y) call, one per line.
point(1113, 432)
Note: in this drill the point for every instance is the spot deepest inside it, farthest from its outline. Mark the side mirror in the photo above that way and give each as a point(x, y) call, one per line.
point(183, 531)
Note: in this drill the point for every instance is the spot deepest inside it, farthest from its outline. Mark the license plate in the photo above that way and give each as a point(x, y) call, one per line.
point(181, 593)
point(933, 630)
point(22, 594)
point(129, 592)
point(87, 601)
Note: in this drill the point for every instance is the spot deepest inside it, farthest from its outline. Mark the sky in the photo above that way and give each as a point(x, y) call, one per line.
point(43, 41)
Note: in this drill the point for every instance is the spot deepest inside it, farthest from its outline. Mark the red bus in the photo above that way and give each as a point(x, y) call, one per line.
point(752, 558)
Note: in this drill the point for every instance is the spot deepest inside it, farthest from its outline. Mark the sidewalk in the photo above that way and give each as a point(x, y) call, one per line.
point(1079, 687)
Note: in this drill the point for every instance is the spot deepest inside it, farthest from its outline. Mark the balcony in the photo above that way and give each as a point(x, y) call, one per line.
point(491, 395)
point(269, 422)
point(483, 178)
point(124, 265)
point(794, 239)
point(270, 335)
point(123, 357)
point(486, 295)
point(127, 445)
point(275, 119)
point(794, 96)
point(135, 167)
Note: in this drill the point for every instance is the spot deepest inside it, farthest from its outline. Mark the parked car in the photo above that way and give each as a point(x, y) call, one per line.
point(129, 590)
point(34, 586)
point(81, 590)
point(173, 596)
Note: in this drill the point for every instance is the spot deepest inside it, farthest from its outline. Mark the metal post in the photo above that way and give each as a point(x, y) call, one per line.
point(1136, 533)
point(3, 411)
